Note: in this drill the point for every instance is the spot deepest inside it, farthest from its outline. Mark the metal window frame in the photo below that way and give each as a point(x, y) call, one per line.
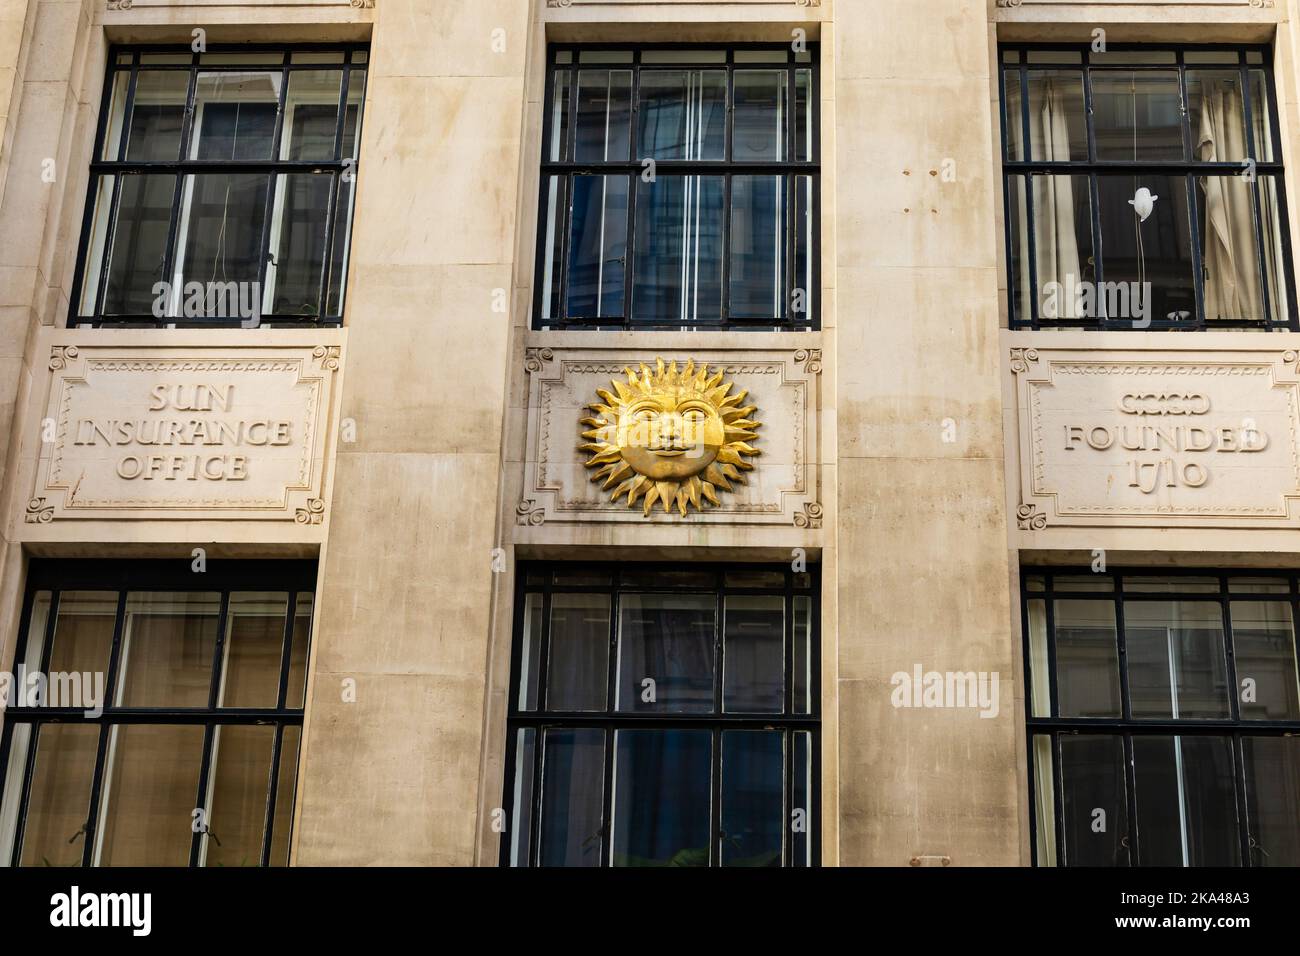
point(1234, 728)
point(118, 167)
point(222, 576)
point(1188, 170)
point(790, 169)
point(610, 720)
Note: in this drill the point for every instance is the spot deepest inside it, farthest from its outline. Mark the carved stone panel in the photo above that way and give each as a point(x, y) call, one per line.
point(565, 474)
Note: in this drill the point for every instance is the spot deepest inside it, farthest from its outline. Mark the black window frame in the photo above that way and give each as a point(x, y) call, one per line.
point(1126, 727)
point(118, 167)
point(1188, 169)
point(293, 576)
point(612, 720)
point(788, 169)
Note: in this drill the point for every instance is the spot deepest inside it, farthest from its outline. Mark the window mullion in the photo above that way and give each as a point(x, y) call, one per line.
point(203, 825)
point(268, 819)
point(1130, 797)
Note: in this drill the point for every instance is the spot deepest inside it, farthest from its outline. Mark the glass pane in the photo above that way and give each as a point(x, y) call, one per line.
point(221, 237)
point(1277, 294)
point(234, 114)
point(1261, 120)
point(530, 655)
point(157, 114)
point(344, 203)
point(803, 113)
point(103, 190)
point(580, 576)
point(658, 578)
point(241, 58)
point(311, 111)
point(682, 114)
point(753, 654)
point(286, 789)
point(116, 109)
point(681, 56)
point(521, 816)
point(1096, 807)
point(167, 648)
point(559, 125)
point(1171, 584)
point(296, 690)
point(1263, 641)
point(805, 288)
point(1233, 286)
point(1258, 585)
point(577, 669)
point(1083, 582)
point(662, 781)
point(758, 134)
point(604, 115)
point(1157, 251)
point(1087, 659)
point(15, 771)
point(1044, 802)
point(1186, 804)
point(597, 246)
point(757, 280)
point(665, 653)
point(553, 245)
point(753, 797)
point(1176, 665)
point(1039, 666)
point(801, 815)
point(352, 115)
point(314, 57)
point(1137, 115)
point(253, 650)
point(678, 266)
point(1217, 114)
point(237, 796)
point(754, 579)
point(1012, 116)
point(138, 244)
point(1018, 220)
point(151, 783)
point(1273, 799)
point(572, 796)
point(55, 830)
point(298, 223)
point(83, 639)
point(1063, 248)
point(1057, 131)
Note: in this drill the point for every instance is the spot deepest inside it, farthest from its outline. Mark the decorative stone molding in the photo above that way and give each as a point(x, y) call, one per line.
point(1020, 359)
point(61, 355)
point(313, 513)
point(529, 512)
point(1029, 518)
point(534, 358)
point(39, 511)
point(810, 517)
point(810, 359)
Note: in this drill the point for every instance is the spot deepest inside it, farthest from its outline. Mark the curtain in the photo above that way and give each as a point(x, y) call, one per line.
point(1231, 263)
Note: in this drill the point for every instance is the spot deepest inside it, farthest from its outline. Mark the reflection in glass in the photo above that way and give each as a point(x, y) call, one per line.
point(661, 798)
point(1263, 642)
point(83, 639)
point(759, 117)
point(521, 815)
point(54, 832)
point(167, 647)
point(1272, 769)
point(221, 237)
point(682, 114)
point(578, 665)
point(300, 644)
point(597, 246)
point(234, 115)
point(1062, 248)
point(297, 240)
point(237, 796)
point(1176, 663)
point(752, 797)
point(1137, 115)
point(1044, 801)
point(1092, 780)
point(572, 793)
point(286, 789)
point(1087, 659)
point(757, 280)
point(530, 655)
point(678, 260)
point(753, 654)
point(667, 641)
point(1158, 251)
point(253, 650)
point(1186, 803)
point(604, 115)
point(157, 114)
point(801, 841)
point(138, 243)
point(1056, 116)
point(311, 114)
point(151, 782)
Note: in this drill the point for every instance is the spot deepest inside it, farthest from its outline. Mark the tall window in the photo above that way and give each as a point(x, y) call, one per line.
point(221, 189)
point(663, 716)
point(1163, 718)
point(1144, 189)
point(679, 188)
point(156, 714)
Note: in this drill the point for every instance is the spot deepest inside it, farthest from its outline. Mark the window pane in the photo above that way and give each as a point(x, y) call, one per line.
point(157, 113)
point(1161, 585)
point(753, 797)
point(1261, 120)
point(757, 281)
point(167, 649)
point(1233, 286)
point(1137, 115)
point(1277, 294)
point(1020, 293)
point(296, 691)
point(1087, 659)
point(801, 306)
point(1273, 799)
point(237, 795)
point(521, 817)
point(531, 653)
point(801, 814)
point(286, 789)
point(254, 648)
point(1263, 641)
point(138, 243)
point(604, 115)
point(553, 245)
point(662, 781)
point(352, 115)
point(803, 113)
point(559, 121)
point(1217, 114)
point(344, 203)
point(83, 639)
point(572, 793)
point(1044, 801)
point(682, 114)
point(298, 224)
point(665, 653)
point(1186, 804)
point(1012, 116)
point(1096, 808)
point(102, 187)
point(54, 832)
point(1063, 247)
point(597, 246)
point(234, 114)
point(15, 772)
point(577, 670)
point(758, 134)
point(116, 110)
point(151, 783)
point(1157, 251)
point(678, 265)
point(221, 238)
point(754, 654)
point(311, 114)
point(1039, 667)
point(1056, 117)
point(1176, 665)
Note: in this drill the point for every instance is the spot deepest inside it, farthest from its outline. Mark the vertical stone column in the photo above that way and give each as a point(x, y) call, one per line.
point(922, 567)
point(406, 578)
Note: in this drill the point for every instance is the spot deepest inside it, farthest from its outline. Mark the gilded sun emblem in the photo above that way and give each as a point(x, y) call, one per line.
point(669, 436)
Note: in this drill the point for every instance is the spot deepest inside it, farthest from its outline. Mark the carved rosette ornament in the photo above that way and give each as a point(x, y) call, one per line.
point(670, 436)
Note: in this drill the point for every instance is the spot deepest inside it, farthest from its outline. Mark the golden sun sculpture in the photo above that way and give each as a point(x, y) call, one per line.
point(672, 437)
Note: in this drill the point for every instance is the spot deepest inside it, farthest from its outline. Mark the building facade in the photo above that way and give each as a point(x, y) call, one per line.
point(649, 432)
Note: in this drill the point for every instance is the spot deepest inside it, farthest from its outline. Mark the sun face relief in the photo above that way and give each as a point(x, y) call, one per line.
point(669, 436)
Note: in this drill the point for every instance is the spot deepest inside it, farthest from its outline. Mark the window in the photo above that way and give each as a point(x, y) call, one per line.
point(679, 189)
point(663, 717)
point(168, 727)
point(1163, 718)
point(1144, 189)
point(222, 187)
